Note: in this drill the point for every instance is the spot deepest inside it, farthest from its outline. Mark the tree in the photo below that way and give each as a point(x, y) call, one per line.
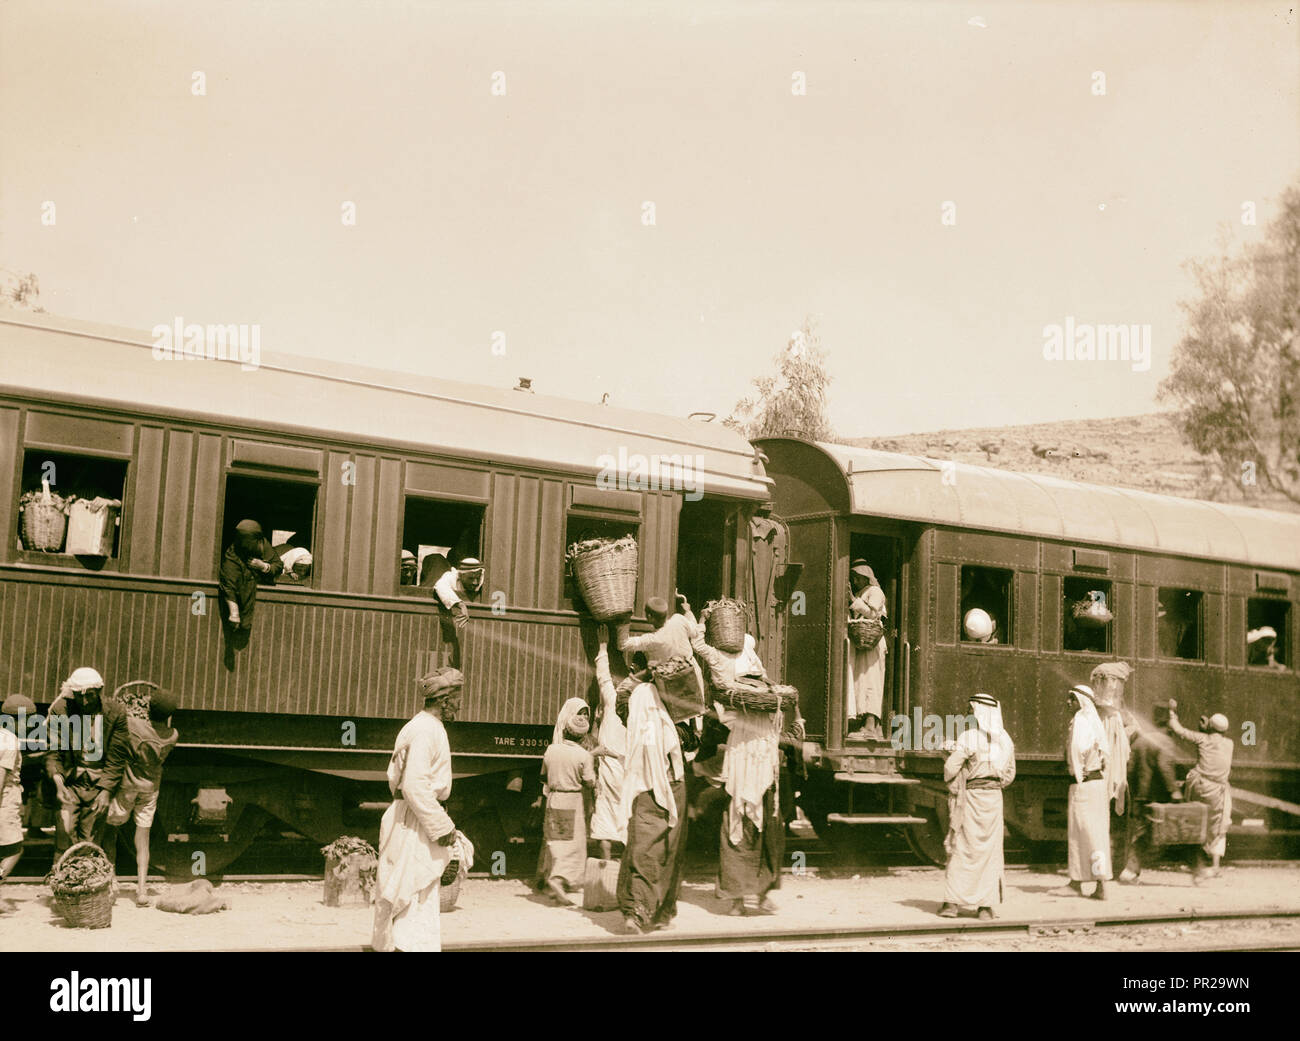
point(20, 291)
point(1236, 371)
point(793, 400)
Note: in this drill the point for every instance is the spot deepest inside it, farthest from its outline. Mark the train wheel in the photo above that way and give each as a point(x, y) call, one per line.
point(926, 840)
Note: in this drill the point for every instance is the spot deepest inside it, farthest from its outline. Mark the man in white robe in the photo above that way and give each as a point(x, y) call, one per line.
point(981, 762)
point(416, 835)
point(1088, 835)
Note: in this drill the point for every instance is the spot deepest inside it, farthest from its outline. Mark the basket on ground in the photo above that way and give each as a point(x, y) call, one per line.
point(84, 887)
point(724, 625)
point(866, 632)
point(605, 571)
point(44, 525)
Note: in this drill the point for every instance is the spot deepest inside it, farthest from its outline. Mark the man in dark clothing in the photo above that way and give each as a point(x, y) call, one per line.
point(247, 560)
point(1151, 778)
point(85, 762)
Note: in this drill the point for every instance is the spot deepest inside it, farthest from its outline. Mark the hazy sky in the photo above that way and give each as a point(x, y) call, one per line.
point(524, 213)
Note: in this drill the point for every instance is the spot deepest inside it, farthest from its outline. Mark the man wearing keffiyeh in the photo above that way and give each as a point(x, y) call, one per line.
point(1089, 813)
point(981, 762)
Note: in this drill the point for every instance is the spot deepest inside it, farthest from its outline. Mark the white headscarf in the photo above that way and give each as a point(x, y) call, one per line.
point(567, 712)
point(651, 743)
point(994, 750)
point(1086, 732)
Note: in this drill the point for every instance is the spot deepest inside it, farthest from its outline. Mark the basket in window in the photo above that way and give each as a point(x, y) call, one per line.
point(724, 625)
point(605, 571)
point(45, 519)
point(865, 633)
point(1092, 611)
point(84, 887)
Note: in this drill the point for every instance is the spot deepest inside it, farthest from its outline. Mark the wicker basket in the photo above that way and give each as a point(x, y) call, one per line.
point(724, 625)
point(134, 697)
point(449, 890)
point(90, 908)
point(605, 573)
point(866, 632)
point(758, 699)
point(44, 525)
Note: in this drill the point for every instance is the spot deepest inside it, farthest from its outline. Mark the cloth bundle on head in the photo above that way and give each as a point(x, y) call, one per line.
point(16, 703)
point(1219, 722)
point(1087, 731)
point(564, 722)
point(84, 678)
point(1264, 632)
point(441, 682)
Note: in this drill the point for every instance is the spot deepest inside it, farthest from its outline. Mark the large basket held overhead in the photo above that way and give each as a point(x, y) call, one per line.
point(84, 893)
point(44, 525)
point(724, 625)
point(605, 572)
point(865, 633)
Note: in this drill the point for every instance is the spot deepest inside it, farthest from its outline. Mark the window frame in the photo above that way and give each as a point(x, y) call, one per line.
point(1200, 624)
point(73, 562)
point(425, 592)
point(1284, 632)
point(1010, 626)
point(1067, 603)
point(284, 477)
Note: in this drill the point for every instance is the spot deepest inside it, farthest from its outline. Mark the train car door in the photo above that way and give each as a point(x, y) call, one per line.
point(888, 552)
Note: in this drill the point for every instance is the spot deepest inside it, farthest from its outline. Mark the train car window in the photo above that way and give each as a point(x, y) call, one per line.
point(1179, 616)
point(578, 528)
point(1268, 621)
point(286, 510)
point(986, 605)
point(1086, 614)
point(437, 534)
point(701, 551)
point(70, 506)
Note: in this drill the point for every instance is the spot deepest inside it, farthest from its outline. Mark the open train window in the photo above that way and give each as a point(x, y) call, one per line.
point(1179, 627)
point(1268, 620)
point(286, 510)
point(437, 534)
point(986, 605)
point(70, 506)
point(701, 551)
point(578, 528)
point(1086, 614)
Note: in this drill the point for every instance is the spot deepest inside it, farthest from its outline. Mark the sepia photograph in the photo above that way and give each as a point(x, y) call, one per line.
point(575, 477)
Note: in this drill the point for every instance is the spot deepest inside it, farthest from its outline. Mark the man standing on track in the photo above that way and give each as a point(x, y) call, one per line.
point(416, 834)
point(981, 763)
point(86, 767)
point(1089, 814)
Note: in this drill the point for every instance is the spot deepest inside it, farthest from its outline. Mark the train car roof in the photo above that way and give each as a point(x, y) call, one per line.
point(888, 484)
point(61, 358)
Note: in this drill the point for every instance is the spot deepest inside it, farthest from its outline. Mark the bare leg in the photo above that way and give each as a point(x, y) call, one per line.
point(142, 864)
point(7, 865)
point(605, 849)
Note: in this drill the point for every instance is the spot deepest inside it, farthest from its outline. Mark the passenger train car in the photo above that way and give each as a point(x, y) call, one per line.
point(355, 465)
point(1185, 581)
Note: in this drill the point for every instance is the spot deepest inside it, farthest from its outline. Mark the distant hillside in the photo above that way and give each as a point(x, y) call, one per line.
point(1143, 452)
